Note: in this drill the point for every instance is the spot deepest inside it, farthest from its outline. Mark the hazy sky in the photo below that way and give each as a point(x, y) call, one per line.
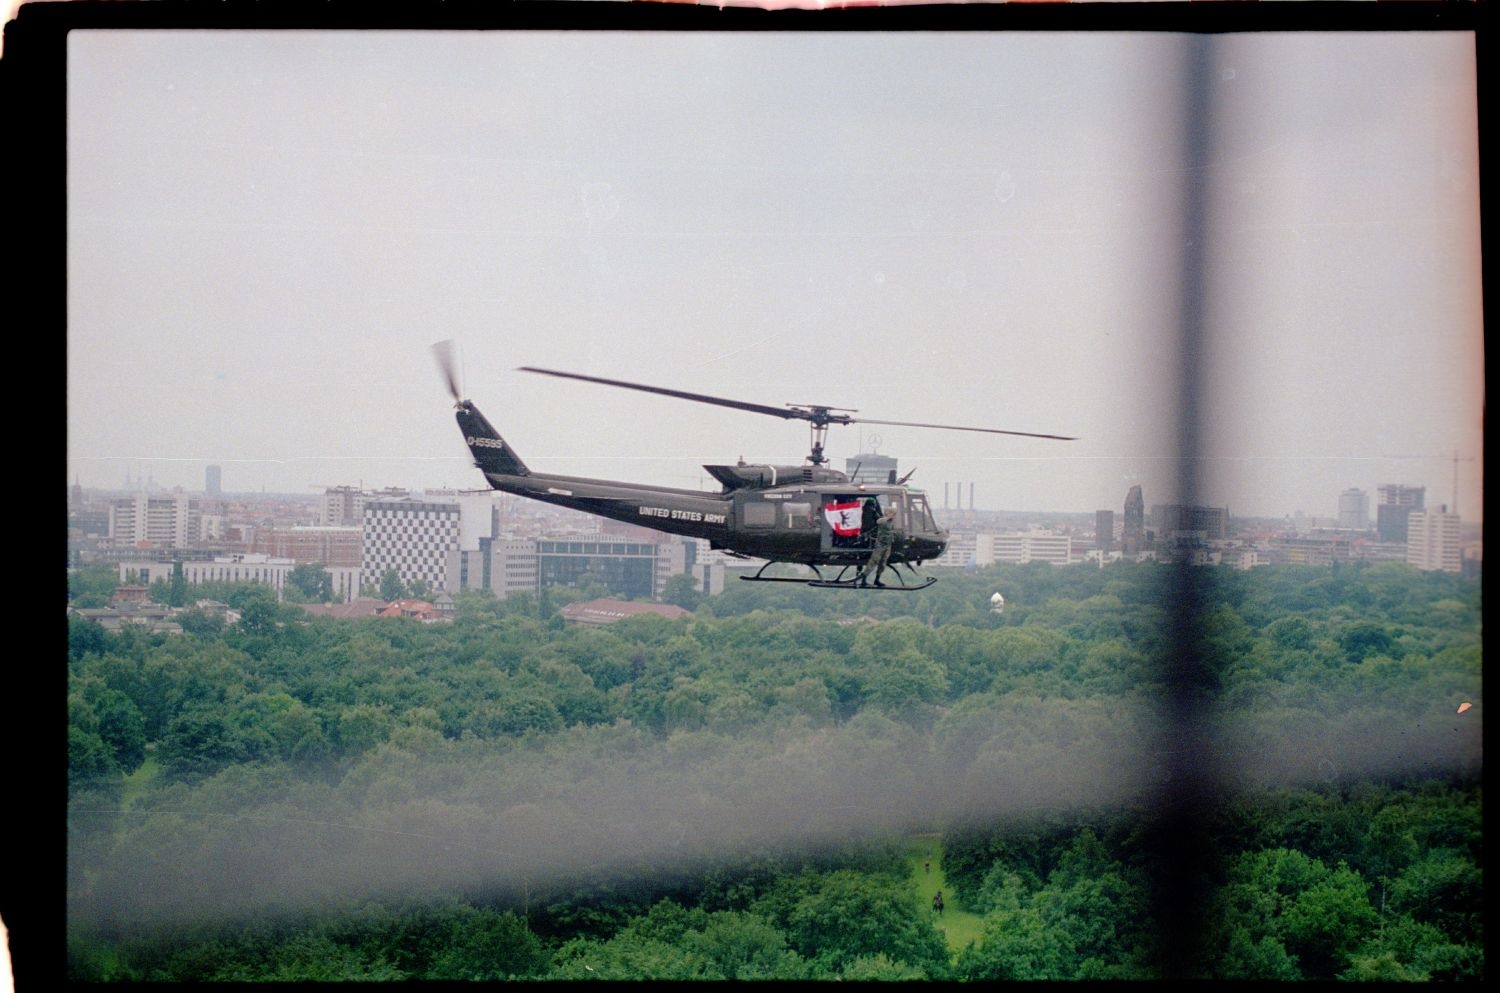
point(267, 231)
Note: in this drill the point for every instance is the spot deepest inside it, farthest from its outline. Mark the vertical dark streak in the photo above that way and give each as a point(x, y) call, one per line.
point(1187, 784)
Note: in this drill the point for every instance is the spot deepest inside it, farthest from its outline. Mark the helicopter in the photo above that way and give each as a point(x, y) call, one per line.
point(809, 515)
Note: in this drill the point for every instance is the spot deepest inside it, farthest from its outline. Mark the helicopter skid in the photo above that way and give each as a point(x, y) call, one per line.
point(783, 579)
point(854, 584)
point(838, 582)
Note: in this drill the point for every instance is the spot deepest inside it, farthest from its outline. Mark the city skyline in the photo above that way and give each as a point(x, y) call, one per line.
point(268, 231)
point(962, 520)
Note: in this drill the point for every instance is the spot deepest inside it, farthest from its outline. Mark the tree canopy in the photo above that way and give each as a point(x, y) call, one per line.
point(508, 795)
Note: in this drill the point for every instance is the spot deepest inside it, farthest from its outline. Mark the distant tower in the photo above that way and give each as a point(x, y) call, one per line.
point(997, 603)
point(1354, 510)
point(213, 481)
point(1133, 535)
point(869, 467)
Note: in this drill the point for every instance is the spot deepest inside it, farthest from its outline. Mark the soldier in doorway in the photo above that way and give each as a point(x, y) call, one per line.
point(885, 537)
point(869, 521)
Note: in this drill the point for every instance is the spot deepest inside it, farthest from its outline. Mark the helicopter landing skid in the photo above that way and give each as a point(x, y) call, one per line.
point(838, 582)
point(785, 579)
point(854, 584)
point(760, 578)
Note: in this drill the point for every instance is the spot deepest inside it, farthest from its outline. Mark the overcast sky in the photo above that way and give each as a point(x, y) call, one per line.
point(267, 232)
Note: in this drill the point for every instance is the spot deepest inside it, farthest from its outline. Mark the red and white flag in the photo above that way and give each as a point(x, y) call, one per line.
point(843, 517)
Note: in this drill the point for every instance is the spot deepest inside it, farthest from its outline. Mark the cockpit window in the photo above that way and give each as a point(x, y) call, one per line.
point(921, 514)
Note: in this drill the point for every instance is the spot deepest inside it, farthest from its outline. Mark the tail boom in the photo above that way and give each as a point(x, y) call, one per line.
point(490, 451)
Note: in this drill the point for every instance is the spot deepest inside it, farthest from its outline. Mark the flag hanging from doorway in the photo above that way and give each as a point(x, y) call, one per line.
point(843, 517)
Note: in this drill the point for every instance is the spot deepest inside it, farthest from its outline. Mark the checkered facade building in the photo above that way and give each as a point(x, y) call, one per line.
point(413, 537)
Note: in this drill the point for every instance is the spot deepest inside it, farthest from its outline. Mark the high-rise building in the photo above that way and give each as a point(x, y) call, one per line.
point(1432, 542)
point(632, 568)
point(1034, 546)
point(1397, 501)
point(870, 468)
point(1173, 518)
point(469, 565)
point(170, 521)
point(1401, 495)
point(479, 514)
point(413, 537)
point(1354, 510)
point(1104, 530)
point(335, 547)
point(213, 481)
point(1133, 534)
point(342, 507)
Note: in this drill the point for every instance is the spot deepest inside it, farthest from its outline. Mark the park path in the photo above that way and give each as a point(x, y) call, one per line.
point(958, 926)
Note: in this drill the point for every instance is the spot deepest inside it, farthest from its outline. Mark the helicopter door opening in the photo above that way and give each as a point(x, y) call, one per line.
point(849, 520)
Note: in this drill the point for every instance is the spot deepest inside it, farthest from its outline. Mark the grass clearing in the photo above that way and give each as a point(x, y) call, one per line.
point(959, 926)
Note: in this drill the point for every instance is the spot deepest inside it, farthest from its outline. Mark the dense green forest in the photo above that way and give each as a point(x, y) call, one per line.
point(733, 795)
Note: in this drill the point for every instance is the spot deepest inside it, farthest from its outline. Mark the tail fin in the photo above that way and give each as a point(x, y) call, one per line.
point(490, 451)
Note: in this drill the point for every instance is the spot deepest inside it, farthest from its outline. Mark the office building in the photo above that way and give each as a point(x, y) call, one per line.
point(1033, 546)
point(223, 569)
point(1172, 518)
point(336, 547)
point(413, 537)
point(1354, 510)
point(168, 521)
point(870, 468)
point(628, 567)
point(1432, 542)
point(341, 507)
point(1104, 530)
point(1133, 533)
point(1396, 503)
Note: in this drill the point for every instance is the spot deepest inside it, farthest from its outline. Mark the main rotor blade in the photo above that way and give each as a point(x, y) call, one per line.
point(757, 408)
point(955, 427)
point(443, 352)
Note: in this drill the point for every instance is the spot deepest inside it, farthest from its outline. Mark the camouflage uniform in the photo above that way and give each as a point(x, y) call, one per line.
point(869, 520)
point(885, 537)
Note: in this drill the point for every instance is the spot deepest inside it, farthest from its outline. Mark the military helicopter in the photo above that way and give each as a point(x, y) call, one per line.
point(808, 515)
